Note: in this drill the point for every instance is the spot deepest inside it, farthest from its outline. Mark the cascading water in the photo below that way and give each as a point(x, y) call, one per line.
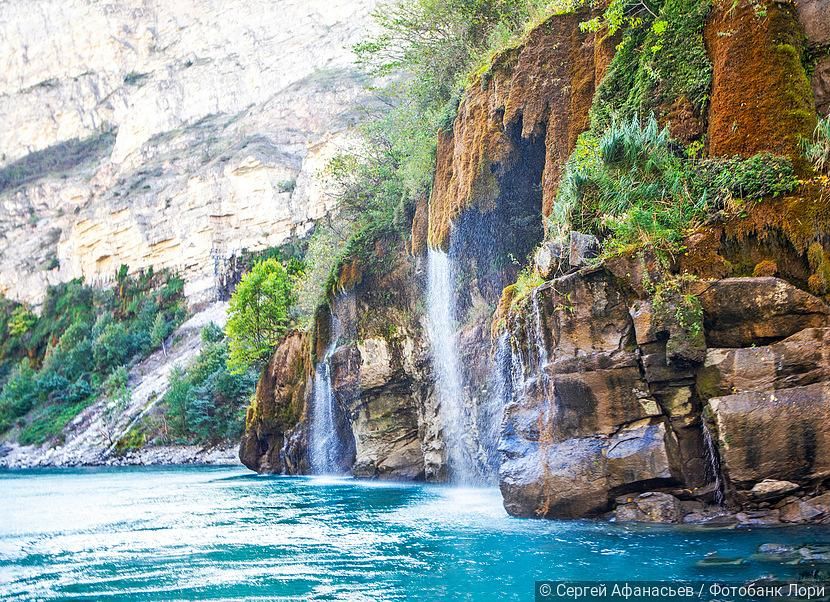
point(531, 370)
point(325, 447)
point(449, 383)
point(713, 472)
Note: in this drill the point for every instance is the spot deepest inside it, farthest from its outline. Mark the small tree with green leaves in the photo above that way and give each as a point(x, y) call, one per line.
point(259, 314)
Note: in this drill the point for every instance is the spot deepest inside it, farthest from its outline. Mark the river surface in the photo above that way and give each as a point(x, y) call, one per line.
point(190, 533)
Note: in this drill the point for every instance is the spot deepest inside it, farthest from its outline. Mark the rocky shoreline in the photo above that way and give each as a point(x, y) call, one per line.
point(17, 456)
point(771, 503)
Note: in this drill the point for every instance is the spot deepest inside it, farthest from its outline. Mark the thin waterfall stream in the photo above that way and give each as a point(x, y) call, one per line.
point(713, 470)
point(325, 447)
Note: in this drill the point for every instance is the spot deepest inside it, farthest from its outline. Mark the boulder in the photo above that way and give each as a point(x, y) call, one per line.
point(716, 519)
point(799, 512)
point(740, 312)
point(565, 480)
point(652, 507)
point(639, 453)
point(385, 427)
point(588, 312)
point(817, 553)
point(821, 85)
point(776, 553)
point(812, 14)
point(758, 518)
point(799, 360)
point(549, 259)
point(770, 489)
point(781, 435)
point(588, 427)
point(822, 502)
point(599, 401)
point(577, 477)
point(582, 248)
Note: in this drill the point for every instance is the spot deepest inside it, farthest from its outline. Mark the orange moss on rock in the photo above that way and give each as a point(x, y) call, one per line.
point(502, 311)
point(350, 275)
point(544, 88)
point(280, 393)
point(761, 97)
point(420, 227)
point(802, 218)
point(786, 237)
point(765, 267)
point(278, 403)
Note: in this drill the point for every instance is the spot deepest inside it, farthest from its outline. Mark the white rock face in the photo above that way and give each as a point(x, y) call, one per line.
point(205, 122)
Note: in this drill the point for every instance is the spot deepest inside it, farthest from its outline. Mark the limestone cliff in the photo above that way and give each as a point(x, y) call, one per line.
point(166, 134)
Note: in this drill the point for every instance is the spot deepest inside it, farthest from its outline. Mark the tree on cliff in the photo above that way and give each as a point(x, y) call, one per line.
point(259, 314)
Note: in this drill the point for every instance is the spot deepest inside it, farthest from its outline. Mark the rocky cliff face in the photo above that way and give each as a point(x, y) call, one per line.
point(379, 370)
point(166, 134)
point(646, 386)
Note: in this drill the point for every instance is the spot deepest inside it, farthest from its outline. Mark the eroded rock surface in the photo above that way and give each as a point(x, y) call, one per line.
point(615, 400)
point(205, 124)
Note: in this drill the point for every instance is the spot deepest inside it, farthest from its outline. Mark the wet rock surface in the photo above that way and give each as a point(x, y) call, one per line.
point(623, 375)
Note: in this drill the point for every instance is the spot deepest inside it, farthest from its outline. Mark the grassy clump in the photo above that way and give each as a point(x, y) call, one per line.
point(634, 185)
point(817, 150)
point(54, 364)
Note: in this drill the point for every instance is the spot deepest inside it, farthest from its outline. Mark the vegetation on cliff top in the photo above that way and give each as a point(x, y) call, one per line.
point(660, 66)
point(54, 364)
point(635, 185)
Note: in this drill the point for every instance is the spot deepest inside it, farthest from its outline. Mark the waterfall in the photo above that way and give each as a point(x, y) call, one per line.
point(713, 472)
point(446, 365)
point(538, 338)
point(325, 448)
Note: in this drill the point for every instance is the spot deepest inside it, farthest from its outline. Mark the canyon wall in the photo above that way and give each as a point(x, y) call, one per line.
point(617, 395)
point(167, 135)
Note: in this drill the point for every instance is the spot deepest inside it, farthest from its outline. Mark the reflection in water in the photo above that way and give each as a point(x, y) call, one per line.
point(220, 533)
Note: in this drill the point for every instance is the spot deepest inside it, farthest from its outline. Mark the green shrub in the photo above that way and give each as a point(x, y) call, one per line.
point(48, 422)
point(111, 348)
point(759, 176)
point(527, 280)
point(21, 321)
point(132, 440)
point(259, 314)
point(206, 403)
point(19, 394)
point(661, 58)
point(81, 342)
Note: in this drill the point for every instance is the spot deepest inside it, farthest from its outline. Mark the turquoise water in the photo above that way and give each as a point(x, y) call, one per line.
point(223, 533)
